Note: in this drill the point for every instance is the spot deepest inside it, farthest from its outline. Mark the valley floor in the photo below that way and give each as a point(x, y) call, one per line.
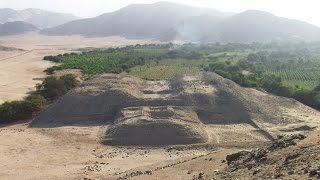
point(76, 153)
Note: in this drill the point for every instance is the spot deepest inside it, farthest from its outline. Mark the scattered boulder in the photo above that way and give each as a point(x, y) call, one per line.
point(248, 159)
point(285, 141)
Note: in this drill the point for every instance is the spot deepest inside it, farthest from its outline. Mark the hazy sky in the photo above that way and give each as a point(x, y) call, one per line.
point(306, 10)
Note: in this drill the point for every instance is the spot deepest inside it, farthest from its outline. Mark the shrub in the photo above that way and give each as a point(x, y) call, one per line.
point(17, 110)
point(54, 87)
point(52, 69)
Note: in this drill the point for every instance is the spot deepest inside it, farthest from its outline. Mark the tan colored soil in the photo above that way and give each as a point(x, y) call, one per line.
point(20, 71)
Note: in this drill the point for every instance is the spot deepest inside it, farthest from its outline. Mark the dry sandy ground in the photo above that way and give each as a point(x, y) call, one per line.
point(75, 153)
point(20, 71)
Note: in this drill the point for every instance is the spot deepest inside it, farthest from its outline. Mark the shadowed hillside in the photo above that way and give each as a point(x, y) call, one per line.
point(17, 27)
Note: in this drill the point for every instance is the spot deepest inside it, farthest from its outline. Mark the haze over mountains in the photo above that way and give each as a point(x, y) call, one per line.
point(134, 21)
point(173, 22)
point(37, 17)
point(16, 27)
point(178, 23)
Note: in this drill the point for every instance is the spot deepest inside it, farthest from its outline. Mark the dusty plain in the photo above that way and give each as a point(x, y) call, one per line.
point(20, 71)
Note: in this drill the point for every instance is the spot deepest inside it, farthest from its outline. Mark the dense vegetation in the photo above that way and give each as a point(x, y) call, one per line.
point(236, 71)
point(54, 87)
point(117, 60)
point(51, 88)
point(286, 69)
point(17, 110)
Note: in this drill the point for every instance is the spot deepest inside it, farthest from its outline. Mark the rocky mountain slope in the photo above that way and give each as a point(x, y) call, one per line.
point(37, 17)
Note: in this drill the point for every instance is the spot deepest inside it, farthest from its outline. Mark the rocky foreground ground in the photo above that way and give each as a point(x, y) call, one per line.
point(293, 156)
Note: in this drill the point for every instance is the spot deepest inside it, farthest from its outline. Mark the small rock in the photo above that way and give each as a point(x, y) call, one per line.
point(278, 175)
point(255, 172)
point(290, 172)
point(216, 171)
point(233, 169)
point(312, 173)
point(201, 175)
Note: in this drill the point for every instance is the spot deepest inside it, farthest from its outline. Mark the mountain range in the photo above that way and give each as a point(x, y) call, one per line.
point(37, 17)
point(173, 22)
point(16, 27)
point(167, 21)
point(134, 21)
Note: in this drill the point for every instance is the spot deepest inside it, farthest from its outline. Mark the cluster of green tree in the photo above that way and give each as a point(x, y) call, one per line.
point(286, 60)
point(243, 73)
point(52, 69)
point(51, 88)
point(112, 60)
point(58, 58)
point(117, 60)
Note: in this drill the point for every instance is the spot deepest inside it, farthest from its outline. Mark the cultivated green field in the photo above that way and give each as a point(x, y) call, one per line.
point(304, 78)
point(167, 69)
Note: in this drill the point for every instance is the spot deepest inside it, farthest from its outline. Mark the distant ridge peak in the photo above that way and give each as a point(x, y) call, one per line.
point(257, 12)
point(38, 17)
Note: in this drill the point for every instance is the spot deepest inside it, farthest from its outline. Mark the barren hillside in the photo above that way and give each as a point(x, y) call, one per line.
point(187, 110)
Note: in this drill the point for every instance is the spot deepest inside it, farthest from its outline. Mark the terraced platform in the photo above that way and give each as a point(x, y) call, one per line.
point(186, 110)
